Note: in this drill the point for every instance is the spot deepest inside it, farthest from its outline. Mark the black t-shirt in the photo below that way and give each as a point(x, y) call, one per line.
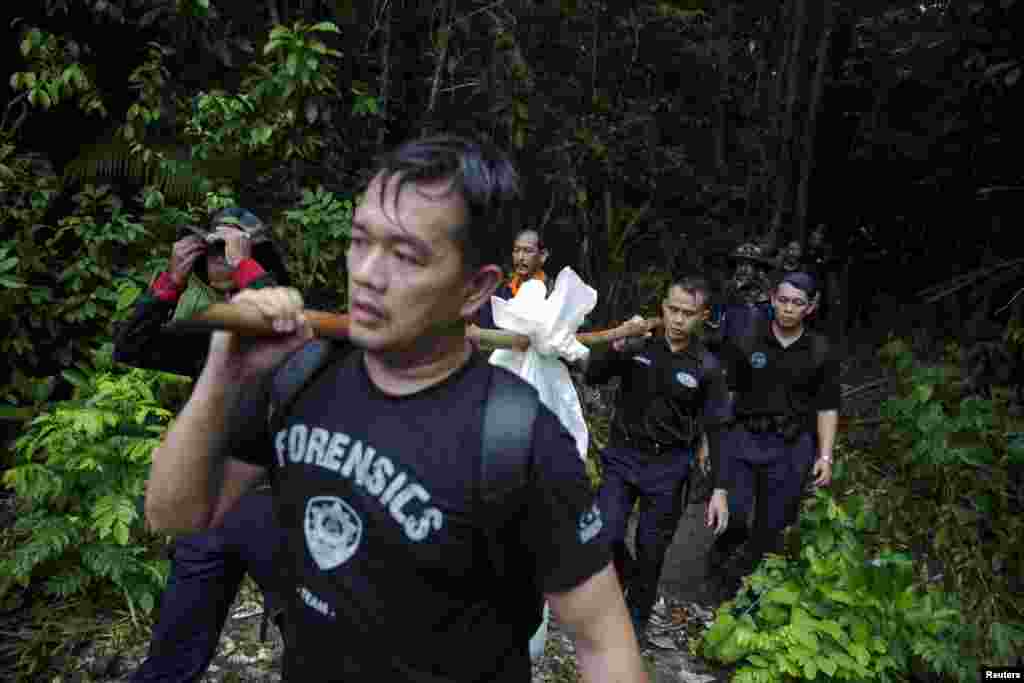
point(770, 379)
point(386, 540)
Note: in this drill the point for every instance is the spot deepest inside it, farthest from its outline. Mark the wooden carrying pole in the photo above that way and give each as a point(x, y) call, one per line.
point(248, 321)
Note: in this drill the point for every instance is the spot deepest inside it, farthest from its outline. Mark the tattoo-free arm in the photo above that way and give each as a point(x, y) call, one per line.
point(596, 617)
point(188, 473)
point(828, 421)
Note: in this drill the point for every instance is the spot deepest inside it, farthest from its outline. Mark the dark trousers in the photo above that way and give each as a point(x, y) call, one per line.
point(206, 570)
point(658, 482)
point(765, 467)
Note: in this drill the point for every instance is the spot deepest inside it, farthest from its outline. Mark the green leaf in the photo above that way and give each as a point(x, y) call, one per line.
point(786, 594)
point(810, 668)
point(828, 666)
point(325, 26)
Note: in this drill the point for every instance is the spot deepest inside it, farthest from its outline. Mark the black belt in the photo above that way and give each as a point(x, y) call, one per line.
point(789, 426)
point(652, 446)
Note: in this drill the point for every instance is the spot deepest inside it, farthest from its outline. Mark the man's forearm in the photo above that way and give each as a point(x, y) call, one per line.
point(596, 617)
point(621, 664)
point(828, 421)
point(187, 469)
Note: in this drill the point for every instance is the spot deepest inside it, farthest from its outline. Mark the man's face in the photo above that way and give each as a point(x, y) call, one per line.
point(791, 306)
point(527, 256)
point(682, 313)
point(406, 281)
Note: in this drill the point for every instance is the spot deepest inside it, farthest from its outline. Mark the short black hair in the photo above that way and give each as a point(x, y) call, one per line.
point(803, 281)
point(694, 285)
point(479, 172)
point(535, 231)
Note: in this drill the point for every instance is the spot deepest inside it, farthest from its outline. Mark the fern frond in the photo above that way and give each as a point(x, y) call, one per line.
point(180, 181)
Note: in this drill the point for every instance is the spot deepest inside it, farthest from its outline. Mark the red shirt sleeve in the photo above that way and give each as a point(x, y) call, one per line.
point(165, 289)
point(247, 271)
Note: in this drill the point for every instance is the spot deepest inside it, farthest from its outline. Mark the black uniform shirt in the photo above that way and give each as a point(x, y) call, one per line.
point(770, 379)
point(662, 391)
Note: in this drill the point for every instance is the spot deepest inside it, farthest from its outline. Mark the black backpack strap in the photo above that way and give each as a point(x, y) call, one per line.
point(296, 373)
point(509, 416)
point(289, 380)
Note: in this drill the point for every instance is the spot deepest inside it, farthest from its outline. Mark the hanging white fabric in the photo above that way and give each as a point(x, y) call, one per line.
point(551, 323)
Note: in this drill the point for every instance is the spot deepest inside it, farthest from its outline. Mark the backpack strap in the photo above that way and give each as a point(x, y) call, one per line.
point(296, 374)
point(509, 416)
point(289, 380)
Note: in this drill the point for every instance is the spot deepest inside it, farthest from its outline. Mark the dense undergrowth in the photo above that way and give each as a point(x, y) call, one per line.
point(910, 566)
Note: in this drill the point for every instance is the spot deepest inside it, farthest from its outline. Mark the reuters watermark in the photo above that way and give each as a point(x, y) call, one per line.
point(1002, 673)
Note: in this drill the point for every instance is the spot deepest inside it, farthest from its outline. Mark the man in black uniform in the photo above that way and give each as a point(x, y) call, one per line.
point(786, 383)
point(378, 461)
point(673, 393)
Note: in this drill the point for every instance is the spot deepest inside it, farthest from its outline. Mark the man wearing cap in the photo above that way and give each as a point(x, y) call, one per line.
point(233, 253)
point(786, 383)
point(673, 397)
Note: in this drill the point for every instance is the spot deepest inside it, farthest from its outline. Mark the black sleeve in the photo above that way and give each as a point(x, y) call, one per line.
point(730, 359)
point(829, 391)
point(141, 341)
point(562, 524)
point(249, 438)
point(604, 366)
point(716, 415)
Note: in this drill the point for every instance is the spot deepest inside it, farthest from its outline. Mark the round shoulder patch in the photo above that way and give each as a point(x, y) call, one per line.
point(758, 359)
point(686, 379)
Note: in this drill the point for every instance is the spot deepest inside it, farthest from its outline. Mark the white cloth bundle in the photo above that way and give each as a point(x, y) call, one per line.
point(550, 323)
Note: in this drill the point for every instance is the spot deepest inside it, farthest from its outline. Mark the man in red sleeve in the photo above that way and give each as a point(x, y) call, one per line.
point(234, 253)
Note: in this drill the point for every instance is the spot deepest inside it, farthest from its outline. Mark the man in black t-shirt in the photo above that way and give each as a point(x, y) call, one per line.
point(378, 461)
point(673, 395)
point(786, 383)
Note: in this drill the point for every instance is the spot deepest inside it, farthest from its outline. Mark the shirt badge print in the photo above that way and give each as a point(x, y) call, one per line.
point(590, 524)
point(333, 531)
point(758, 359)
point(686, 379)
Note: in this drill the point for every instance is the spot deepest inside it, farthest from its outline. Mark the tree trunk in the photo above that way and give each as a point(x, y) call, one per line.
point(385, 74)
point(784, 177)
point(444, 40)
point(814, 104)
point(723, 40)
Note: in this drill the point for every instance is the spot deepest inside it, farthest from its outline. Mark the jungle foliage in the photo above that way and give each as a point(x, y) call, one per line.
point(653, 136)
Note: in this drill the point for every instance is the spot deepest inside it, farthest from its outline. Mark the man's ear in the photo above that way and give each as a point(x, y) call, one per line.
point(479, 288)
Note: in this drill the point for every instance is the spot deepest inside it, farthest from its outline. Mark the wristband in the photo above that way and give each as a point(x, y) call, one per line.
point(826, 458)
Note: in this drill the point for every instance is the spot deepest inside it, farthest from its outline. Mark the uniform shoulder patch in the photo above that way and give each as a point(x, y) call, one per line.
point(590, 524)
point(687, 380)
